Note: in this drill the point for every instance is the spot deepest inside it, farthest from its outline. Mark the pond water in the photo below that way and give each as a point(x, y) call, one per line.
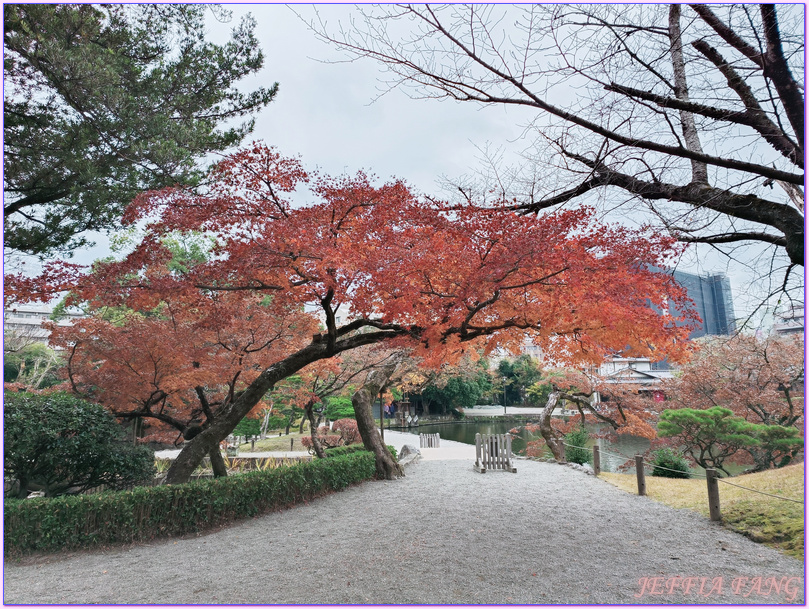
point(613, 454)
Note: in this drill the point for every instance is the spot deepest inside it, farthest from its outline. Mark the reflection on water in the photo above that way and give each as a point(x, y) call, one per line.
point(613, 453)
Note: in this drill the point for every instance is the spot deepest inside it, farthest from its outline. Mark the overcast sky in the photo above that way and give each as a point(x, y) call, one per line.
point(326, 113)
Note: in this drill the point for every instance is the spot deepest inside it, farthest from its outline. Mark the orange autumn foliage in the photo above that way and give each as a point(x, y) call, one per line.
point(759, 378)
point(176, 368)
point(626, 408)
point(414, 273)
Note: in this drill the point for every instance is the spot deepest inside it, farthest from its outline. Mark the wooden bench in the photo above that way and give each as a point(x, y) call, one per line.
point(493, 451)
point(429, 440)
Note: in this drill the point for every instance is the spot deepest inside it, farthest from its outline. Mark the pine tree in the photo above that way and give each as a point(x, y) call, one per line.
point(101, 102)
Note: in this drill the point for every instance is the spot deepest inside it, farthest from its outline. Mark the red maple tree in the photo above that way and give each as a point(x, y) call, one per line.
point(182, 364)
point(414, 272)
point(627, 408)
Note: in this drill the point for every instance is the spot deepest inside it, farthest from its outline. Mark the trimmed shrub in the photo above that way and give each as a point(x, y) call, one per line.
point(339, 451)
point(329, 441)
point(61, 444)
point(339, 407)
point(668, 464)
point(145, 513)
point(576, 452)
point(348, 430)
point(347, 450)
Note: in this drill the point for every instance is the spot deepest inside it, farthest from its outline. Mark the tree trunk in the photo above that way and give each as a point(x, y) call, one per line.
point(310, 415)
point(699, 170)
point(218, 466)
point(386, 467)
point(554, 443)
point(266, 422)
point(381, 419)
point(228, 417)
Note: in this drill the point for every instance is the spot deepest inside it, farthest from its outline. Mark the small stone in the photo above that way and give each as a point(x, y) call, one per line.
point(408, 449)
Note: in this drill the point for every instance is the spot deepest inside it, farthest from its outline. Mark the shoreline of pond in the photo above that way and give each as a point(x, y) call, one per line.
point(470, 420)
point(616, 453)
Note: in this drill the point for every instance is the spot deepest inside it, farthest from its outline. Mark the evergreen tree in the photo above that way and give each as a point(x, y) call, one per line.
point(101, 102)
point(520, 374)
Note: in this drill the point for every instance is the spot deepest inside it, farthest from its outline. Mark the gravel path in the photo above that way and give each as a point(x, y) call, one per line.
point(443, 534)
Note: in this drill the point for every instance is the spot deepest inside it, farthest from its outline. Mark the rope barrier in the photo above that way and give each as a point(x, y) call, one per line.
point(692, 474)
point(601, 450)
point(759, 492)
point(604, 452)
point(679, 471)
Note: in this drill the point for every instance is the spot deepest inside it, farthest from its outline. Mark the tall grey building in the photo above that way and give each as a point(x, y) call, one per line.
point(713, 301)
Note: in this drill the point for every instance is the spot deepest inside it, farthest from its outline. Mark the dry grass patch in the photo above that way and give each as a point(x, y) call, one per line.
point(769, 520)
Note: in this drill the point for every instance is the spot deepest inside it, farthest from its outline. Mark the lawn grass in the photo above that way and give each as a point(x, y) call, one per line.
point(275, 442)
point(768, 520)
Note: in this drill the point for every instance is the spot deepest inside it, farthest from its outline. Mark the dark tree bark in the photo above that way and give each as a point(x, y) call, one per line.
point(636, 117)
point(582, 401)
point(386, 467)
point(218, 466)
point(551, 439)
point(22, 491)
point(336, 341)
point(310, 415)
point(230, 414)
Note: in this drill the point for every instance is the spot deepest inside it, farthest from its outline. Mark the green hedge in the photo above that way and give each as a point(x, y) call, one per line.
point(339, 451)
point(145, 513)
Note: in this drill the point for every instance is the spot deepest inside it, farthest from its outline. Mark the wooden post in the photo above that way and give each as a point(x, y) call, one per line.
point(596, 460)
point(641, 475)
point(291, 443)
point(713, 494)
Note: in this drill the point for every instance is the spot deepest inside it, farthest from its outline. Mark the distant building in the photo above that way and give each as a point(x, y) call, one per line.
point(22, 326)
point(342, 316)
point(635, 370)
point(713, 301)
point(638, 371)
point(529, 348)
point(790, 322)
